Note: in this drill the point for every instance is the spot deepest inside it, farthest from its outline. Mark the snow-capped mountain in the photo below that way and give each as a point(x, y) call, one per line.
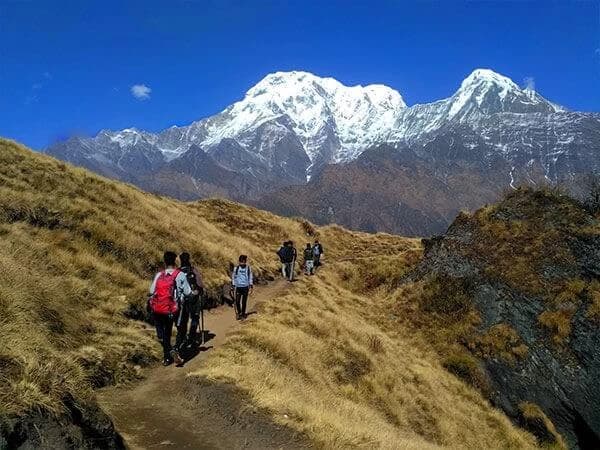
point(292, 124)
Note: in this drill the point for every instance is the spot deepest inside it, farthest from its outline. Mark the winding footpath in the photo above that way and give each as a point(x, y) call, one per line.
point(156, 413)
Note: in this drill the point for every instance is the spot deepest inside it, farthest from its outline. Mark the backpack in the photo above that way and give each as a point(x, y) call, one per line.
point(163, 301)
point(281, 254)
point(308, 254)
point(191, 277)
point(287, 254)
point(237, 268)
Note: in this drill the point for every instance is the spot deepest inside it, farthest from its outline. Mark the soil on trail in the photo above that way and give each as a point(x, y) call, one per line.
point(160, 412)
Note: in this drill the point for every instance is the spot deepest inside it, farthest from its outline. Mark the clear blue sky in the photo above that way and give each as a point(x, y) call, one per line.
point(68, 67)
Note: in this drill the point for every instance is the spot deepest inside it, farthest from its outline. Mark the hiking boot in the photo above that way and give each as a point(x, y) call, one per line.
point(178, 360)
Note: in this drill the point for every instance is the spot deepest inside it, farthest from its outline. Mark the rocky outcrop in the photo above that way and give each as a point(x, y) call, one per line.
point(80, 427)
point(530, 267)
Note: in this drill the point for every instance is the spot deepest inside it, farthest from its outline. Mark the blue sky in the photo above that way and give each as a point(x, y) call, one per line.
point(69, 67)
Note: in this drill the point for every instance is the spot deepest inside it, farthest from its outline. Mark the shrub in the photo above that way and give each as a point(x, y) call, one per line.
point(468, 369)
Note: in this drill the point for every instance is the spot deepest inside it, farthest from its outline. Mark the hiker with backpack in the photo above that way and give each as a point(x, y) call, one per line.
point(281, 254)
point(166, 290)
point(190, 306)
point(242, 284)
point(317, 252)
point(309, 268)
point(287, 255)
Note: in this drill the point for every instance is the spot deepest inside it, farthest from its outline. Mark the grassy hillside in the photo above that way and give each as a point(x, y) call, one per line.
point(77, 251)
point(332, 364)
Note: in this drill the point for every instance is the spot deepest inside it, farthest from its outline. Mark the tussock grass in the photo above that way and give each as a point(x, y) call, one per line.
point(534, 419)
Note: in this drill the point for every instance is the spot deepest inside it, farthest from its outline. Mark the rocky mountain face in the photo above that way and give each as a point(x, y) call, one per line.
point(521, 281)
point(291, 126)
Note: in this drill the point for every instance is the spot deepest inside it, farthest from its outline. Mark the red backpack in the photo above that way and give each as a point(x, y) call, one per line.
point(163, 301)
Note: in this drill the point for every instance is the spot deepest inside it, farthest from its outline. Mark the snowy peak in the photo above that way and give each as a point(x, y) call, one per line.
point(488, 78)
point(287, 85)
point(487, 92)
point(318, 110)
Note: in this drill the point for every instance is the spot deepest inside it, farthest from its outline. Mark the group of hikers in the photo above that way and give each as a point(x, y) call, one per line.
point(175, 296)
point(288, 256)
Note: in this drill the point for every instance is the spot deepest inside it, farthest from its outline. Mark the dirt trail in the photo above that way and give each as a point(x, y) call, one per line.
point(155, 412)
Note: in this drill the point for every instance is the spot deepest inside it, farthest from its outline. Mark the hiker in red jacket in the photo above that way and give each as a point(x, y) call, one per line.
point(166, 291)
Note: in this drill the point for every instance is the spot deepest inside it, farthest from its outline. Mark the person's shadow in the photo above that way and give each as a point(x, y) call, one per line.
point(190, 352)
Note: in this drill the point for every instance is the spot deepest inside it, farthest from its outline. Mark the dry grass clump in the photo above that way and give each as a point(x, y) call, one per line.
point(593, 311)
point(558, 323)
point(468, 369)
point(534, 419)
point(323, 362)
point(446, 296)
point(499, 341)
point(571, 291)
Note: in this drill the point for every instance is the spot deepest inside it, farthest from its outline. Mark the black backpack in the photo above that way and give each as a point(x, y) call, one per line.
point(308, 254)
point(248, 270)
point(191, 277)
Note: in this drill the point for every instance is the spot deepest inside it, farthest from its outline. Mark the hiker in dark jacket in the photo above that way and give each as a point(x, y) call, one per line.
point(281, 253)
point(190, 305)
point(318, 252)
point(309, 260)
point(288, 258)
point(242, 283)
point(166, 290)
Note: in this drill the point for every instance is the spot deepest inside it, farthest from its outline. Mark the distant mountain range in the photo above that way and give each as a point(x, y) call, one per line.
point(299, 144)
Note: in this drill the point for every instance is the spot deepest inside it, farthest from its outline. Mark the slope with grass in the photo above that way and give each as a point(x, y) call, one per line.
point(76, 254)
point(510, 295)
point(330, 364)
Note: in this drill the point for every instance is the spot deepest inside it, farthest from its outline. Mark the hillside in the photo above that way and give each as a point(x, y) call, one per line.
point(510, 295)
point(390, 190)
point(76, 254)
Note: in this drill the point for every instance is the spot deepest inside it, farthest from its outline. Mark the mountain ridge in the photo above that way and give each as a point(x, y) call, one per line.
point(291, 125)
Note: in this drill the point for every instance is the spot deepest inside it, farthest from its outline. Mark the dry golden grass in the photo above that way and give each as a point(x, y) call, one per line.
point(499, 341)
point(76, 250)
point(558, 323)
point(535, 419)
point(593, 311)
point(330, 363)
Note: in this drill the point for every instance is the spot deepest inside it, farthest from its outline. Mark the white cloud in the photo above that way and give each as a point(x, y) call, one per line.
point(141, 91)
point(529, 83)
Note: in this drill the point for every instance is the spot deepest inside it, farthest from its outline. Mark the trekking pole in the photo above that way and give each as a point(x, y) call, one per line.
point(293, 268)
point(202, 319)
